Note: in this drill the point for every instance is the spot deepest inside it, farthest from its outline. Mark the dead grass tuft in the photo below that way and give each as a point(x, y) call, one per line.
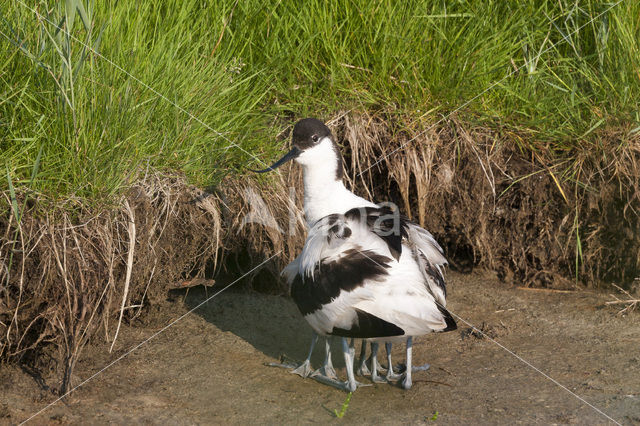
point(535, 218)
point(72, 273)
point(624, 305)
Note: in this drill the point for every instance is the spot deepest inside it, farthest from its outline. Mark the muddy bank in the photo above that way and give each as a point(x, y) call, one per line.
point(209, 367)
point(73, 272)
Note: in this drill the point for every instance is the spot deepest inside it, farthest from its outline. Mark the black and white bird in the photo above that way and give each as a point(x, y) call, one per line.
point(365, 271)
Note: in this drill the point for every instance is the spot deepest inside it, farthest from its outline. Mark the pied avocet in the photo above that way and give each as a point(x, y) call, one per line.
point(365, 271)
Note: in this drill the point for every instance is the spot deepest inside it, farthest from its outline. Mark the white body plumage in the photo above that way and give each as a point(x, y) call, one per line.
point(404, 295)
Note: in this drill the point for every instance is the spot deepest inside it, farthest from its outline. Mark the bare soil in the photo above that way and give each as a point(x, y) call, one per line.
point(210, 366)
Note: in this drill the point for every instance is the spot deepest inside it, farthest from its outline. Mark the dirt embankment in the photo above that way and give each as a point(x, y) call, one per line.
point(72, 272)
point(537, 218)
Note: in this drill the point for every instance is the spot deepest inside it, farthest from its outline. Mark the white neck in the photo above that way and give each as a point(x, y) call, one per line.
point(324, 193)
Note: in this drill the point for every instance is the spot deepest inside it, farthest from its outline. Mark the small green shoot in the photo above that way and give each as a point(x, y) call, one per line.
point(345, 405)
point(434, 417)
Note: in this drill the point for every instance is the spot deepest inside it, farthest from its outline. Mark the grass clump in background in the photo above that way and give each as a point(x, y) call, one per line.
point(565, 71)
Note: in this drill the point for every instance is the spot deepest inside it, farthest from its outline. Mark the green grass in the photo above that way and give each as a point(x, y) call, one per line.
point(98, 129)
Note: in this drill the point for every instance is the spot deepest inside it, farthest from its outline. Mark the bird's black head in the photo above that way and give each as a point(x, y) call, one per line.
point(310, 133)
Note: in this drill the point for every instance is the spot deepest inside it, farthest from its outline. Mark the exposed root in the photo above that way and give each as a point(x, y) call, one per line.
point(131, 230)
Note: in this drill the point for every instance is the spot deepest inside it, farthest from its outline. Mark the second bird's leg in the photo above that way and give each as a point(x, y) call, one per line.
point(391, 375)
point(406, 382)
point(350, 384)
point(349, 355)
point(363, 370)
point(372, 361)
point(374, 364)
point(327, 369)
point(304, 369)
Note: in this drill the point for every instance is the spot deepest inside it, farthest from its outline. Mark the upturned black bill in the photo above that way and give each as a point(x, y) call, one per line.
point(288, 156)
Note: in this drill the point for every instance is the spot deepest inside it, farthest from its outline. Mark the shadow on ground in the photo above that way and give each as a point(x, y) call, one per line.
point(271, 324)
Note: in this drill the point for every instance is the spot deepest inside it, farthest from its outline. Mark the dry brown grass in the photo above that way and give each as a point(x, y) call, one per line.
point(535, 218)
point(67, 272)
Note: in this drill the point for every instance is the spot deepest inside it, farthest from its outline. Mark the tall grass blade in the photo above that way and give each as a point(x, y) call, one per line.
point(592, 128)
point(12, 196)
point(84, 17)
point(70, 13)
point(18, 42)
point(36, 166)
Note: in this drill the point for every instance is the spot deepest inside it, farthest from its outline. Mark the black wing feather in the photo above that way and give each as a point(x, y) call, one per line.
point(332, 278)
point(368, 326)
point(448, 319)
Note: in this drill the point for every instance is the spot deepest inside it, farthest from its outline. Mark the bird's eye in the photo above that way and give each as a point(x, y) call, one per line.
point(314, 138)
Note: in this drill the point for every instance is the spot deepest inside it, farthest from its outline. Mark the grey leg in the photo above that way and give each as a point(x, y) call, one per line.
point(391, 375)
point(328, 364)
point(363, 370)
point(378, 366)
point(349, 355)
point(406, 382)
point(374, 364)
point(350, 385)
point(327, 369)
point(304, 369)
